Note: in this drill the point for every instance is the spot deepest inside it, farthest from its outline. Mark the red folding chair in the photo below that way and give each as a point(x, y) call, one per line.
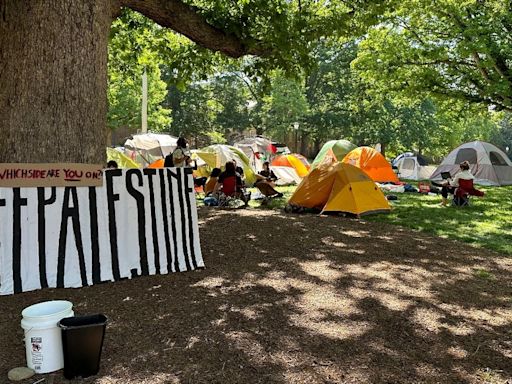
point(464, 191)
point(229, 186)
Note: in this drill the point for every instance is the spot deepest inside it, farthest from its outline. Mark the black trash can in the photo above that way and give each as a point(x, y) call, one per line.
point(82, 341)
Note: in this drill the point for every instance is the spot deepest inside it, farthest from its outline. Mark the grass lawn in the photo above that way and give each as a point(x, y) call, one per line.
point(486, 223)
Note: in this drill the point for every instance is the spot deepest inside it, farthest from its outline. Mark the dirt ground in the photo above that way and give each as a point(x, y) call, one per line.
point(299, 299)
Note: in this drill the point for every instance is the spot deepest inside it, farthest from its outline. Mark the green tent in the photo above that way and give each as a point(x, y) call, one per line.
point(335, 150)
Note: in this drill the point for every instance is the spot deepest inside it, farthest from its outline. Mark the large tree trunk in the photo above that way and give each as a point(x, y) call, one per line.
point(53, 79)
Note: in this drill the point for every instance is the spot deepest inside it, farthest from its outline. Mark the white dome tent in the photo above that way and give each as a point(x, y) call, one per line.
point(489, 164)
point(413, 167)
point(148, 147)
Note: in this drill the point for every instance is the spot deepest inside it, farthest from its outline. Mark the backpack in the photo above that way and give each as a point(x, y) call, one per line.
point(168, 162)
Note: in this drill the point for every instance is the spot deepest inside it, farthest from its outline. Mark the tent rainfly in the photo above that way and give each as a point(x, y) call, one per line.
point(332, 151)
point(373, 163)
point(121, 159)
point(340, 187)
point(151, 146)
point(290, 169)
point(216, 156)
point(258, 149)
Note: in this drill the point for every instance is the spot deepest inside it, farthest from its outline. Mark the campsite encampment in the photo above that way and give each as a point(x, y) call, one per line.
point(186, 275)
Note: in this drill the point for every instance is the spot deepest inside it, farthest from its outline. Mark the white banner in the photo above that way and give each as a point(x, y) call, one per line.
point(140, 222)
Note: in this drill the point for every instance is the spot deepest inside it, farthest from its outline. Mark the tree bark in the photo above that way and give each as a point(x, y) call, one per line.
point(53, 80)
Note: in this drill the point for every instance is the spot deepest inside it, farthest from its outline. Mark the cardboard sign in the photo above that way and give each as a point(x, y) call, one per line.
point(50, 175)
point(140, 222)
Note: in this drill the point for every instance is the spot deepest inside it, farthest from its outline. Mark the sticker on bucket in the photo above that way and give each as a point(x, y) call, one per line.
point(37, 356)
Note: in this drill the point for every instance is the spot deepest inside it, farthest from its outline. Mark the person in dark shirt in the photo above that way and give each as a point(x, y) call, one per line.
point(266, 182)
point(267, 173)
point(238, 169)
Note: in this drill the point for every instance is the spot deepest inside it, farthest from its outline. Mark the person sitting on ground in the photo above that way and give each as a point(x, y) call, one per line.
point(209, 186)
point(449, 186)
point(266, 182)
point(112, 164)
point(230, 183)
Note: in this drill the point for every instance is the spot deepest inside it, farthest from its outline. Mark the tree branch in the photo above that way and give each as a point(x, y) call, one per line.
point(187, 20)
point(249, 86)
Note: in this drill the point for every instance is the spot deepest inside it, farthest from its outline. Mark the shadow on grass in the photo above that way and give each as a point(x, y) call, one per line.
point(301, 299)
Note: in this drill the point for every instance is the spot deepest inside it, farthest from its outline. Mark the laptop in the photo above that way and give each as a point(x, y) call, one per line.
point(446, 175)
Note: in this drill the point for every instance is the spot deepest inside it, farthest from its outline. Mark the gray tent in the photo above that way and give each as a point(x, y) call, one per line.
point(489, 164)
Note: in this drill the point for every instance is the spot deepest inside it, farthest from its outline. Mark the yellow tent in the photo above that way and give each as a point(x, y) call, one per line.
point(121, 159)
point(216, 156)
point(293, 160)
point(339, 187)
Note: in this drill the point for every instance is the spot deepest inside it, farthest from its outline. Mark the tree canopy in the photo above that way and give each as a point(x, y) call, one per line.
point(443, 48)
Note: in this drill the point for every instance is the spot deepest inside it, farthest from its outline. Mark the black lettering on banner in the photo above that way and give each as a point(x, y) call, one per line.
point(182, 217)
point(72, 212)
point(141, 217)
point(188, 190)
point(112, 227)
point(150, 172)
point(18, 202)
point(95, 247)
point(166, 224)
point(134, 273)
point(170, 175)
point(41, 230)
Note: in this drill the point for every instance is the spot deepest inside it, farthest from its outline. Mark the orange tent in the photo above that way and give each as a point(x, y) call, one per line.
point(293, 160)
point(373, 163)
point(339, 187)
point(157, 164)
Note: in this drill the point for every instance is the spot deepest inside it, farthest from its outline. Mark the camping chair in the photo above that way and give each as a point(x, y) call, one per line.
point(464, 191)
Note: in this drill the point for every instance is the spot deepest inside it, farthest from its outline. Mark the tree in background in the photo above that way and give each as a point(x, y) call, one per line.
point(330, 92)
point(130, 53)
point(284, 105)
point(444, 49)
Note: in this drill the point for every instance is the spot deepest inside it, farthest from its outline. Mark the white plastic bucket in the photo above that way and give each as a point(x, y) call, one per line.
point(43, 341)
